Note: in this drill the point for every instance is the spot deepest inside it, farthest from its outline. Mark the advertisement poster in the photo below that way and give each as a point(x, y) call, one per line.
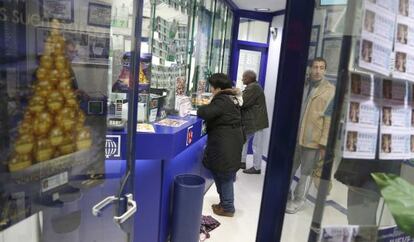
point(403, 67)
point(375, 55)
point(393, 90)
point(404, 35)
point(378, 22)
point(363, 113)
point(58, 9)
point(361, 85)
point(99, 15)
point(387, 4)
point(360, 143)
point(394, 145)
point(395, 116)
point(406, 8)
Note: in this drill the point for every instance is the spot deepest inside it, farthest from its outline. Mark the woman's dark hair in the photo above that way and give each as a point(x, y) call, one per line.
point(219, 80)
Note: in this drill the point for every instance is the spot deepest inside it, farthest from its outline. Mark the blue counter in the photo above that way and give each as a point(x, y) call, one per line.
point(160, 156)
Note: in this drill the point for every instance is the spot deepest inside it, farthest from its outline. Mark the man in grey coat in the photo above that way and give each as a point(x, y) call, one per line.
point(255, 121)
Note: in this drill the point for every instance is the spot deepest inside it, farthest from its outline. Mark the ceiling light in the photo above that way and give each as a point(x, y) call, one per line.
point(262, 9)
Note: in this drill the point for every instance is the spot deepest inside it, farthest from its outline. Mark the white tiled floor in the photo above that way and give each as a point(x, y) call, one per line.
point(248, 193)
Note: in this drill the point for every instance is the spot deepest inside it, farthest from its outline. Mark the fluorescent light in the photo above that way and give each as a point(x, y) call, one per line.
point(262, 9)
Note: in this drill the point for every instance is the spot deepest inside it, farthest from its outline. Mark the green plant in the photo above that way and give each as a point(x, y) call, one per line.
point(399, 197)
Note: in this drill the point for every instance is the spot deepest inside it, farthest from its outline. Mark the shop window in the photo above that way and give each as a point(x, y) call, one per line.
point(253, 30)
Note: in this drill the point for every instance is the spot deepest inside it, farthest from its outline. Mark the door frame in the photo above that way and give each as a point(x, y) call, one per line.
point(286, 116)
point(262, 48)
point(247, 45)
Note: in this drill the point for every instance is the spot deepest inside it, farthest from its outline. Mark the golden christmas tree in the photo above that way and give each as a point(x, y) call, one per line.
point(53, 124)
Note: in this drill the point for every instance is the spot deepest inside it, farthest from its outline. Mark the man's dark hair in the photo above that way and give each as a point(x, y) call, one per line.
point(319, 59)
point(219, 80)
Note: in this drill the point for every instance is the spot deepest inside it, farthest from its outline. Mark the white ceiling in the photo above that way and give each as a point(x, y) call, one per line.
point(273, 5)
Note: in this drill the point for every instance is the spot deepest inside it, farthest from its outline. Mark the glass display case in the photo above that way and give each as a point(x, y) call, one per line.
point(211, 47)
point(183, 42)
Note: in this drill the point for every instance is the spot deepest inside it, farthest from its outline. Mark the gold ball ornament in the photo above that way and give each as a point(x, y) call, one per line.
point(84, 139)
point(68, 145)
point(19, 162)
point(54, 76)
point(65, 74)
point(46, 62)
point(44, 150)
point(55, 24)
point(56, 136)
point(41, 73)
point(55, 101)
point(72, 103)
point(49, 48)
point(25, 128)
point(42, 124)
point(43, 89)
point(59, 49)
point(24, 144)
point(81, 117)
point(36, 105)
point(66, 119)
point(65, 86)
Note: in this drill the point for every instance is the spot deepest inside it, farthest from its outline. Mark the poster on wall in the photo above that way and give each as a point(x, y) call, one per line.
point(57, 9)
point(362, 118)
point(394, 116)
point(360, 143)
point(99, 15)
point(387, 4)
point(404, 36)
point(362, 113)
point(378, 22)
point(374, 55)
point(330, 48)
point(394, 145)
point(403, 66)
point(406, 8)
point(361, 85)
point(77, 46)
point(393, 90)
point(99, 48)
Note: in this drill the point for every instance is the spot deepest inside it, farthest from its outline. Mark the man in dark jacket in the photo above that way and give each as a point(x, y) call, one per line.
point(225, 140)
point(255, 121)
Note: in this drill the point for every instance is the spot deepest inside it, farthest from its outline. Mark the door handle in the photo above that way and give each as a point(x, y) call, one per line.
point(131, 208)
point(97, 209)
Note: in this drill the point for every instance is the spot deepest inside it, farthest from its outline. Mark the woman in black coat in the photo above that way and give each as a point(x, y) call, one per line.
point(225, 139)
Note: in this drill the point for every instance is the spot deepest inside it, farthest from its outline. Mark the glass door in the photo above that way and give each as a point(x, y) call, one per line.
point(248, 60)
point(57, 172)
point(343, 138)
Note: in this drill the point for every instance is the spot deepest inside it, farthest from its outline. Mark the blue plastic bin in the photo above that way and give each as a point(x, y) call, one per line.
point(187, 206)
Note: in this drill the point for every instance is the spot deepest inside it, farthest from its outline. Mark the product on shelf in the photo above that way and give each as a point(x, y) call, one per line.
point(53, 124)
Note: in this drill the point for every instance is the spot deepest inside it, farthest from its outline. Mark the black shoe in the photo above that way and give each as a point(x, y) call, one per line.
point(242, 165)
point(252, 171)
